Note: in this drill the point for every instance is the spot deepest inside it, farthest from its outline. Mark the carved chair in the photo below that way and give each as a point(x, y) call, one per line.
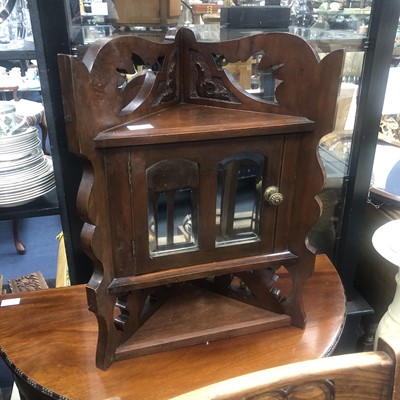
point(360, 376)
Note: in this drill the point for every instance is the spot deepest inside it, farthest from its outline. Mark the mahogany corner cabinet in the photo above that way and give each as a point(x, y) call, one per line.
point(196, 195)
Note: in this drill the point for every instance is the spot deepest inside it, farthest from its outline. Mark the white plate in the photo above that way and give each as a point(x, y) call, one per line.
point(20, 151)
point(18, 147)
point(9, 146)
point(18, 137)
point(21, 201)
point(28, 192)
point(34, 157)
point(30, 176)
point(28, 182)
point(29, 186)
point(32, 192)
point(21, 174)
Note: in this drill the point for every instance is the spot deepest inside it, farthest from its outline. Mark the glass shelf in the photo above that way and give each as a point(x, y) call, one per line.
point(27, 52)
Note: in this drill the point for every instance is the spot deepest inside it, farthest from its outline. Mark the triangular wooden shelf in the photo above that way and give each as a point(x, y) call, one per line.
point(194, 316)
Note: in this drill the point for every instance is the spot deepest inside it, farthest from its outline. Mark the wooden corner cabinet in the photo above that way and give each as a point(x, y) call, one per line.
point(196, 194)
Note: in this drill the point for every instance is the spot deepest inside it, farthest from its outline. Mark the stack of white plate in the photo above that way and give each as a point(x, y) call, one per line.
point(25, 172)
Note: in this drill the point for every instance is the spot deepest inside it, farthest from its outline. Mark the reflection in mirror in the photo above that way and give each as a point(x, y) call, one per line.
point(6, 8)
point(15, 24)
point(385, 180)
point(239, 198)
point(170, 221)
point(137, 69)
point(172, 206)
point(334, 150)
point(258, 82)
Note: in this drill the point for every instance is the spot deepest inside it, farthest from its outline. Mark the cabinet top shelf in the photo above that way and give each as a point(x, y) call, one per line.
point(189, 122)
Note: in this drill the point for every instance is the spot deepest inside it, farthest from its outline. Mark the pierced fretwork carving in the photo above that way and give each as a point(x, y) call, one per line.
point(219, 60)
point(203, 84)
point(167, 90)
point(122, 312)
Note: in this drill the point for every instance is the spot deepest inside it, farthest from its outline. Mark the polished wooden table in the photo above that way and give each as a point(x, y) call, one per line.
point(49, 342)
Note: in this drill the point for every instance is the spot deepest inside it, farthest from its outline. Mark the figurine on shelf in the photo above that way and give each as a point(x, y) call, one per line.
point(302, 13)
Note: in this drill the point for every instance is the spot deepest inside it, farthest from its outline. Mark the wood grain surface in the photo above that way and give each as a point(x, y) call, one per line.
point(51, 338)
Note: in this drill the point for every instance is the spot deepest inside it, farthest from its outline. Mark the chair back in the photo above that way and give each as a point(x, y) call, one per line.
point(359, 376)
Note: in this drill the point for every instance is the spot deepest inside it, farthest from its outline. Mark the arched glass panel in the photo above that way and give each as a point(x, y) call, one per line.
point(172, 206)
point(239, 198)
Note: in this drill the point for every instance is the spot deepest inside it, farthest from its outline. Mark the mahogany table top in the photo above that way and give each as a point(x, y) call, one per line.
point(51, 338)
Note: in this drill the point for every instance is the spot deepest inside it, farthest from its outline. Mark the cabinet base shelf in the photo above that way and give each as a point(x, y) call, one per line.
point(195, 316)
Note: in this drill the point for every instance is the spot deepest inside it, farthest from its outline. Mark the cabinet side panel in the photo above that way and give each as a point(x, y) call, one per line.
point(287, 185)
point(117, 166)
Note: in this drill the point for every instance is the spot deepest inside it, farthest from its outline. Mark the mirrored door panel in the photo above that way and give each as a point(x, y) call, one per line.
point(172, 206)
point(239, 198)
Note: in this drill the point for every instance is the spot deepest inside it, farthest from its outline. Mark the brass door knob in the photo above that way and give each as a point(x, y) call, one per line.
point(272, 196)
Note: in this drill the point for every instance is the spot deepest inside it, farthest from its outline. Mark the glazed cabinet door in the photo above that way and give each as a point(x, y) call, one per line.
point(217, 200)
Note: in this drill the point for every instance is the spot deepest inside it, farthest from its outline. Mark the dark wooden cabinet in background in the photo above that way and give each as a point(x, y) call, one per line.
point(45, 205)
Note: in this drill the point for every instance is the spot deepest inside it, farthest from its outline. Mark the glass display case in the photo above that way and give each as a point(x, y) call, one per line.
point(385, 180)
point(15, 26)
point(20, 84)
point(326, 26)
